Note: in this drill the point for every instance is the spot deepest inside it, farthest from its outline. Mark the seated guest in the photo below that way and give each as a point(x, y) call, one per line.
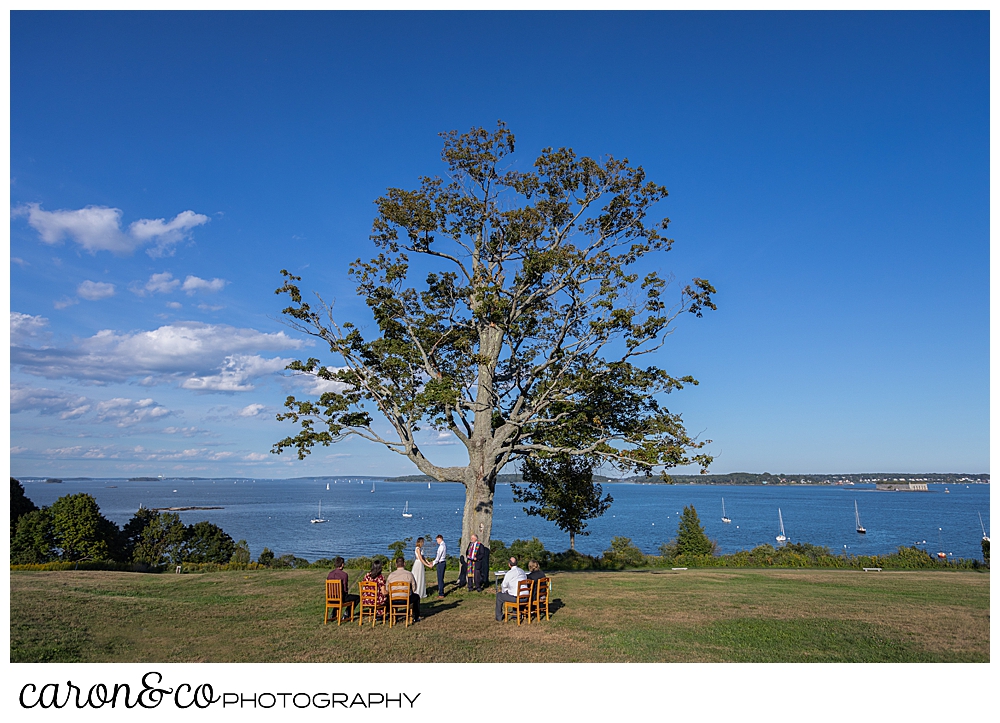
point(534, 573)
point(337, 573)
point(508, 588)
point(375, 575)
point(401, 574)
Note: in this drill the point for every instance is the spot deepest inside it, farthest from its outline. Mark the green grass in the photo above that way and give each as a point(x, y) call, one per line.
point(647, 616)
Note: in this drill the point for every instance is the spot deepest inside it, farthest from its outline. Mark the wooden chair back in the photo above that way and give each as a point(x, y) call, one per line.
point(521, 606)
point(540, 598)
point(368, 592)
point(335, 601)
point(399, 602)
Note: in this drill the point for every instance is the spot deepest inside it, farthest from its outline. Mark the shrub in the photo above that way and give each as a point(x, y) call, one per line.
point(623, 553)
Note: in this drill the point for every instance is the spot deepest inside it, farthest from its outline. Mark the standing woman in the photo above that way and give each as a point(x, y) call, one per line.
point(419, 563)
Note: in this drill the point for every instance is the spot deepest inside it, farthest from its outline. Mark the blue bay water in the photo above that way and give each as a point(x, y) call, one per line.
point(276, 514)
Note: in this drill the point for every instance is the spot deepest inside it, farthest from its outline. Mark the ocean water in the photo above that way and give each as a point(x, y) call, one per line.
point(276, 514)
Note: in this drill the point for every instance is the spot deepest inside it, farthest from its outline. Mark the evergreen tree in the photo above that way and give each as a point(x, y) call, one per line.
point(691, 537)
point(563, 491)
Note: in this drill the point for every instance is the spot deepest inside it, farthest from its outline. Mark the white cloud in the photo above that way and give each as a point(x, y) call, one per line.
point(255, 457)
point(125, 413)
point(440, 439)
point(210, 307)
point(166, 233)
point(174, 305)
point(119, 411)
point(235, 374)
point(95, 290)
point(194, 284)
point(64, 302)
point(24, 327)
point(316, 386)
point(251, 410)
point(98, 228)
point(19, 261)
point(162, 283)
point(47, 401)
point(209, 357)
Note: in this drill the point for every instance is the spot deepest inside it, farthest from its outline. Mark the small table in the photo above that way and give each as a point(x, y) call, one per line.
point(498, 576)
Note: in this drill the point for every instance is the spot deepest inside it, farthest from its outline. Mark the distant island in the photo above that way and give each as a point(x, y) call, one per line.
point(764, 478)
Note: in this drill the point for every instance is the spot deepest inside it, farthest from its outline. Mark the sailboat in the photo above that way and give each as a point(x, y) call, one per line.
point(327, 486)
point(406, 510)
point(428, 485)
point(857, 520)
point(373, 486)
point(781, 523)
point(985, 536)
point(319, 515)
point(724, 518)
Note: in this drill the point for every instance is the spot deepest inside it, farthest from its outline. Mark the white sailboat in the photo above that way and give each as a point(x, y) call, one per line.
point(985, 536)
point(428, 485)
point(781, 523)
point(857, 520)
point(373, 486)
point(406, 510)
point(319, 515)
point(724, 518)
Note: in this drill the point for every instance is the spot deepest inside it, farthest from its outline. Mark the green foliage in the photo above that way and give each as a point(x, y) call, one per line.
point(985, 544)
point(399, 548)
point(623, 553)
point(523, 550)
point(524, 341)
point(241, 554)
point(266, 558)
point(20, 505)
point(161, 540)
point(562, 490)
point(34, 539)
point(691, 537)
point(81, 531)
point(205, 542)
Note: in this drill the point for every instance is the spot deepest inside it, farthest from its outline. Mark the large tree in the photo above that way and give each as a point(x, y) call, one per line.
point(530, 327)
point(562, 490)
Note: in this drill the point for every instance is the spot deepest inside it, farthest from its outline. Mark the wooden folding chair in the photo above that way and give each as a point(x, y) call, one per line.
point(540, 598)
point(399, 602)
point(368, 592)
point(335, 600)
point(521, 606)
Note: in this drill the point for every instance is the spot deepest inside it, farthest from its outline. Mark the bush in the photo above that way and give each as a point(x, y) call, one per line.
point(623, 553)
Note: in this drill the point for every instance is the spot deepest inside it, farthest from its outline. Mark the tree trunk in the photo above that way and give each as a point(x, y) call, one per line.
point(572, 541)
point(477, 518)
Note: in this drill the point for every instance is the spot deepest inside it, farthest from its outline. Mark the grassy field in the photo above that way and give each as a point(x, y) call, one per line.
point(649, 616)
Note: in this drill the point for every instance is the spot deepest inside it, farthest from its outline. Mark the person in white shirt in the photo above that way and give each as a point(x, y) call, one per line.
point(439, 562)
point(508, 588)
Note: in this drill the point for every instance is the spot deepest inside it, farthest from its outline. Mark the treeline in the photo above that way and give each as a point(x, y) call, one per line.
point(752, 478)
point(72, 532)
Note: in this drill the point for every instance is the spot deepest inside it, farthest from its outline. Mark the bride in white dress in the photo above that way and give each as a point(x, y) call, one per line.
point(419, 563)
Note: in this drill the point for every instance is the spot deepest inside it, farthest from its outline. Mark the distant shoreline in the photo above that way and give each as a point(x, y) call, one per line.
point(731, 479)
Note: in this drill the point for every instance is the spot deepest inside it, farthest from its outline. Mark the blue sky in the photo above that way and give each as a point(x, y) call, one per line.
point(828, 172)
